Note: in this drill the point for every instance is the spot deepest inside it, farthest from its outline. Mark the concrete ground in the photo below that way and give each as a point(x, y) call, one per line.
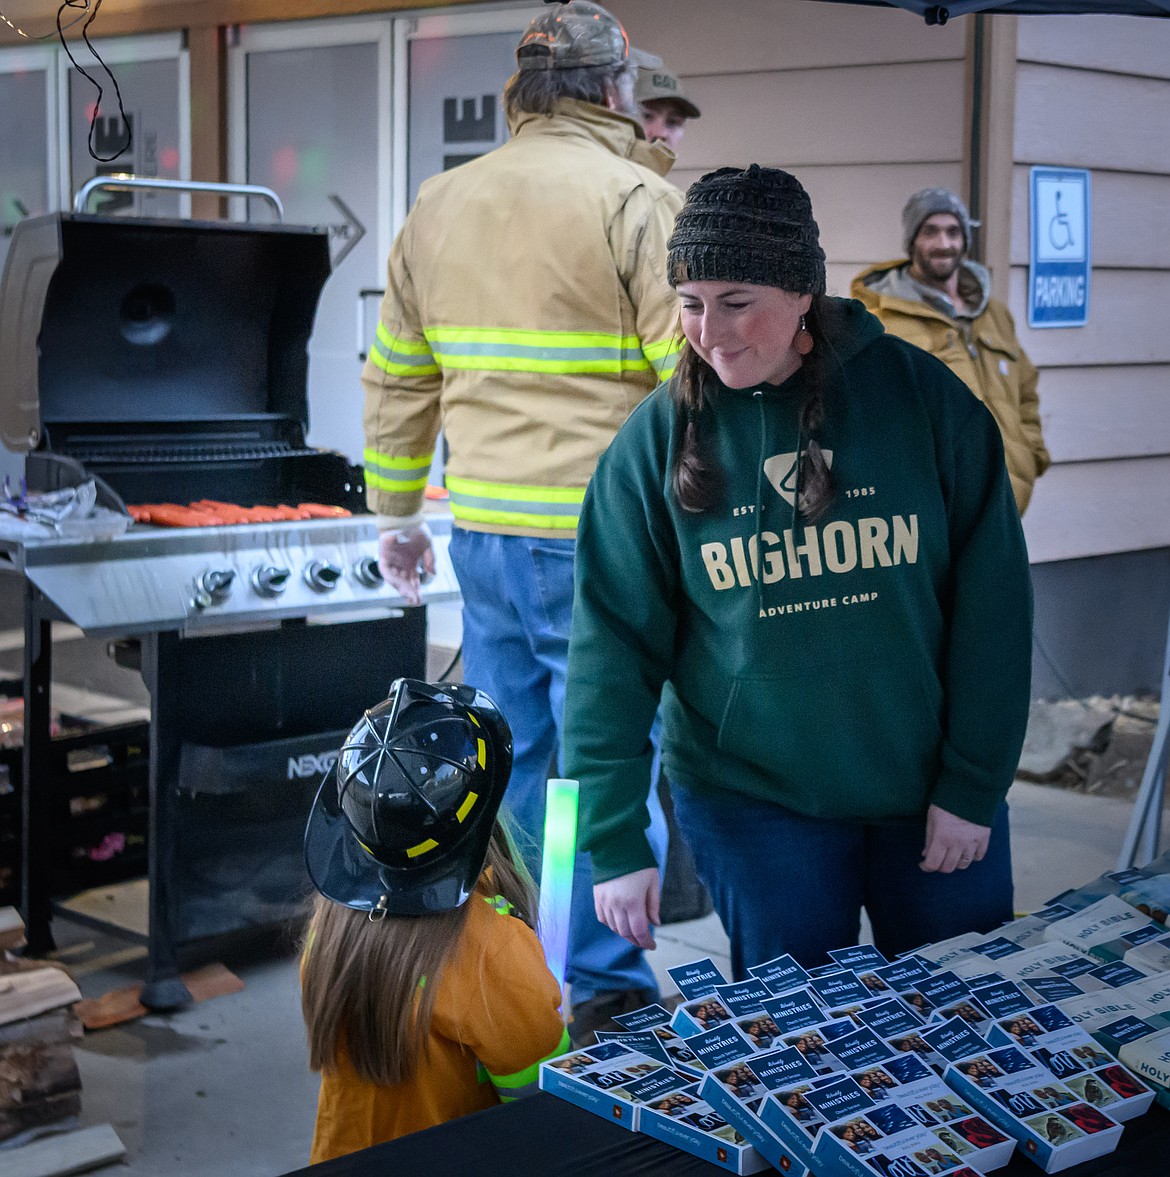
point(223, 1087)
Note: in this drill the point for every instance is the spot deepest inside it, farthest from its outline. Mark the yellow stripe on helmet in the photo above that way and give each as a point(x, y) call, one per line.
point(422, 848)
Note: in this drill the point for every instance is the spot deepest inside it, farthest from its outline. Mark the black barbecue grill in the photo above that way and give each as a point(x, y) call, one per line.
point(167, 359)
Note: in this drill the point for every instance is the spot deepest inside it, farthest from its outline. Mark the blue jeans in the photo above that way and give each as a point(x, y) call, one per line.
point(517, 612)
point(782, 882)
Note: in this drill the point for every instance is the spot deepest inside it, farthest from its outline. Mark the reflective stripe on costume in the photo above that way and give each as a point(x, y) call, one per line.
point(401, 357)
point(511, 350)
point(498, 904)
point(522, 1083)
point(663, 356)
point(512, 505)
point(396, 475)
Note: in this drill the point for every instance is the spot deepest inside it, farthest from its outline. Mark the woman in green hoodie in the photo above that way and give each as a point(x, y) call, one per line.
point(806, 545)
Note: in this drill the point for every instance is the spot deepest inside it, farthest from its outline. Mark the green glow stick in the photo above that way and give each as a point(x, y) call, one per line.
point(556, 873)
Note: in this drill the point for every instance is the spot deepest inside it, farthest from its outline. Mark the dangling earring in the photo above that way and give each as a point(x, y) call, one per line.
point(802, 341)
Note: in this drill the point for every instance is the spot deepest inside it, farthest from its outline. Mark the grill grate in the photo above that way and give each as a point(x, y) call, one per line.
point(154, 454)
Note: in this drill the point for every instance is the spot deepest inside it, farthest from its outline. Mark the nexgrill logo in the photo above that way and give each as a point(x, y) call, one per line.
point(308, 765)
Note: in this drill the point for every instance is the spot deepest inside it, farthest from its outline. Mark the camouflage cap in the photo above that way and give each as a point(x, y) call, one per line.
point(578, 35)
point(657, 84)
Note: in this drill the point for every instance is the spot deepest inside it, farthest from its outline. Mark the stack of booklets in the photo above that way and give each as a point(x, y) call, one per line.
point(1052, 1125)
point(610, 1080)
point(642, 1093)
point(1119, 883)
point(1051, 1038)
point(1046, 1035)
point(899, 1117)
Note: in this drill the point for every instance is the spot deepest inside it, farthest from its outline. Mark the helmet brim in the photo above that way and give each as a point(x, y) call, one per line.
point(346, 873)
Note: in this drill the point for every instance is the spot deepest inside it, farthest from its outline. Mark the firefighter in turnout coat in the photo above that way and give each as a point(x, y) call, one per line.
point(527, 313)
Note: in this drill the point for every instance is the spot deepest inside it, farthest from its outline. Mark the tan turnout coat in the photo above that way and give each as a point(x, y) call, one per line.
point(527, 311)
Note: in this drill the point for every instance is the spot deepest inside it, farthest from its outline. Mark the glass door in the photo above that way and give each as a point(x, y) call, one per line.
point(344, 119)
point(28, 148)
point(309, 117)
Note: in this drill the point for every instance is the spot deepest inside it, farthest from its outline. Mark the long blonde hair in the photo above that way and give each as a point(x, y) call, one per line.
point(369, 985)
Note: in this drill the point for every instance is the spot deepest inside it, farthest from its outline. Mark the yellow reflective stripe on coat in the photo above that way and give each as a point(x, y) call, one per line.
point(514, 505)
point(396, 475)
point(516, 1086)
point(556, 352)
point(402, 357)
point(663, 355)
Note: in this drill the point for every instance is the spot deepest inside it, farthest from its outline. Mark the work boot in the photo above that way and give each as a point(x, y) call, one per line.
point(597, 1013)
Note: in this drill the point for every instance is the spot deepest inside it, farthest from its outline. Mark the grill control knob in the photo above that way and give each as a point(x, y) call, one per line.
point(214, 587)
point(270, 580)
point(322, 576)
point(365, 572)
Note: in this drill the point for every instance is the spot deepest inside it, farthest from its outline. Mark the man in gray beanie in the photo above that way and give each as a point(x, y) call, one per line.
point(938, 298)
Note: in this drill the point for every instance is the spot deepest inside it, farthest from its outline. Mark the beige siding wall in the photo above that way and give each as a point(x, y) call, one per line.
point(1094, 92)
point(865, 105)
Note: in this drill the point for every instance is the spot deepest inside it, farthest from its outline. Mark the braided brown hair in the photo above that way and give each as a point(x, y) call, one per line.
point(697, 479)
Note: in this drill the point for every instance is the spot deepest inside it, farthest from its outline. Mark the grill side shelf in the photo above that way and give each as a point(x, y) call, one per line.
point(148, 580)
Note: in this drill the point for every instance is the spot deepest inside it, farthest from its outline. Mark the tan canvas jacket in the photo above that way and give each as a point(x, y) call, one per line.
point(986, 355)
point(527, 311)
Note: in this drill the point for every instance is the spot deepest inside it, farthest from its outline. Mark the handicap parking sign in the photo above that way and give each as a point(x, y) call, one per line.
point(1061, 261)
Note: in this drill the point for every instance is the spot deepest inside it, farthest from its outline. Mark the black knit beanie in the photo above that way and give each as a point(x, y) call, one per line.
point(753, 226)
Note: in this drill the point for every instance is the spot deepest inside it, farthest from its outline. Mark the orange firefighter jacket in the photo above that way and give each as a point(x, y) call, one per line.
point(495, 1020)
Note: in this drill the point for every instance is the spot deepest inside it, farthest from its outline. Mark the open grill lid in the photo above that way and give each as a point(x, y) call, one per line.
point(174, 324)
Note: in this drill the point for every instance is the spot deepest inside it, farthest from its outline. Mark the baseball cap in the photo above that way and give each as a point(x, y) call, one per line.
point(578, 35)
point(656, 83)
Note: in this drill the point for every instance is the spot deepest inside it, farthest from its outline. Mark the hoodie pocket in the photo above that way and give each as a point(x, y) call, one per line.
point(859, 741)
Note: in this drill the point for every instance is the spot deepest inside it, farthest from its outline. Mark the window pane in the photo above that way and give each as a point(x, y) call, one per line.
point(312, 135)
point(24, 150)
point(456, 112)
point(150, 94)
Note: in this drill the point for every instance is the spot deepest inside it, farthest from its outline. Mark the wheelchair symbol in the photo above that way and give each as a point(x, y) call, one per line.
point(1059, 228)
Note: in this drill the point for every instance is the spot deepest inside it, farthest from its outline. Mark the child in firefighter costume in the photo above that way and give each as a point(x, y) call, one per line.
point(424, 988)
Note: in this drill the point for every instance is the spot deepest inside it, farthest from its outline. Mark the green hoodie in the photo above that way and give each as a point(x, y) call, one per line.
point(879, 664)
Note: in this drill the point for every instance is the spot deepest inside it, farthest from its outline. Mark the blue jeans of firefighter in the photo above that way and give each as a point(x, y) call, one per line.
point(783, 882)
point(517, 612)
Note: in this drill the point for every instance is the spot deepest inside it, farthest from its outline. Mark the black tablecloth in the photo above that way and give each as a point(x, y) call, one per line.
point(544, 1137)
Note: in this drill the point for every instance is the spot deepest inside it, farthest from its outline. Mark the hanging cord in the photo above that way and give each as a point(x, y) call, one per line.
point(84, 5)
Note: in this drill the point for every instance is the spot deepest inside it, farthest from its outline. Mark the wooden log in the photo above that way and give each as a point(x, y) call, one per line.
point(39, 1080)
point(24, 995)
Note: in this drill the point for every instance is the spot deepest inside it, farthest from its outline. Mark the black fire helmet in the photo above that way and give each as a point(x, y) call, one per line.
point(401, 825)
